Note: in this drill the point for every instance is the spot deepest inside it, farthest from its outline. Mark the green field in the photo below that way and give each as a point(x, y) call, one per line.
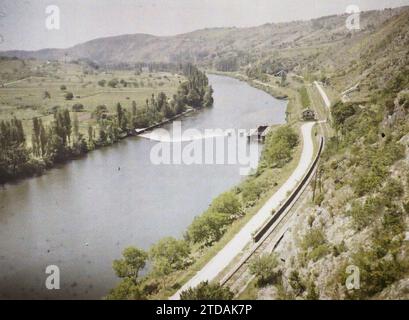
point(25, 84)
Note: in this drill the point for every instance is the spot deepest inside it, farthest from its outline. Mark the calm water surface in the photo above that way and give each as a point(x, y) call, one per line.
point(81, 215)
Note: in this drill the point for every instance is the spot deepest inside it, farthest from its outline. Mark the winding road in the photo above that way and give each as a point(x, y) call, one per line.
point(223, 258)
point(323, 95)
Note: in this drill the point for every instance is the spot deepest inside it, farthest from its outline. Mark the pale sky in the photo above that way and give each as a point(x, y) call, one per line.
point(22, 22)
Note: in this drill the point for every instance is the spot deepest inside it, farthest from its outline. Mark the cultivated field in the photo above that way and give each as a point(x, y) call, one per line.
point(32, 88)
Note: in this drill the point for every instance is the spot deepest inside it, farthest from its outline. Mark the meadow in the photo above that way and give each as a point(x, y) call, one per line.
point(31, 88)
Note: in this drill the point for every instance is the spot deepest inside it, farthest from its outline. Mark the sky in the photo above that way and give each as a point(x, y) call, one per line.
point(23, 22)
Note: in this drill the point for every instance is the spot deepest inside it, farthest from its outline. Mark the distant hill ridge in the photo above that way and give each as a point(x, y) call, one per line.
point(208, 46)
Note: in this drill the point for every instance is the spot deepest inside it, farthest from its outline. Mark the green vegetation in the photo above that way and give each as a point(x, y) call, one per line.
point(264, 268)
point(279, 145)
point(56, 135)
point(206, 291)
point(211, 225)
point(296, 283)
point(129, 267)
point(314, 244)
point(305, 98)
point(170, 257)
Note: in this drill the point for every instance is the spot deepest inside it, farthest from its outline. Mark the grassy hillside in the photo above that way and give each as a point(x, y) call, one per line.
point(359, 214)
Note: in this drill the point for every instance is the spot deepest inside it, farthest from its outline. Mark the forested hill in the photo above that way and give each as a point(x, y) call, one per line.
point(222, 48)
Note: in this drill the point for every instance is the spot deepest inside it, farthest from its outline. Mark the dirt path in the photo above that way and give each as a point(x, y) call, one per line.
point(323, 94)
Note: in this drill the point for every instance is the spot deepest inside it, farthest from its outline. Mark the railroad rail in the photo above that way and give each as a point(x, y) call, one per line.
point(262, 237)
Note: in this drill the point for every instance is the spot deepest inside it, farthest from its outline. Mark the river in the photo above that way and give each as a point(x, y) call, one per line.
point(81, 215)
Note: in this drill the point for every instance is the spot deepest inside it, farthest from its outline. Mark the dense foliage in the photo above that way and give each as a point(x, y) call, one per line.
point(60, 140)
point(206, 291)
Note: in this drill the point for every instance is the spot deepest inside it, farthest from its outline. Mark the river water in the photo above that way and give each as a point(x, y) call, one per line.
point(81, 215)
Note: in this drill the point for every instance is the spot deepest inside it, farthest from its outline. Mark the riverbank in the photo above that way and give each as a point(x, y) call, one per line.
point(289, 92)
point(38, 167)
point(61, 140)
point(268, 181)
point(277, 92)
point(120, 192)
point(282, 175)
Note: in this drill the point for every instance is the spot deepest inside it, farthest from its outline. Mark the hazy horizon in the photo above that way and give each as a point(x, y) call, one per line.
point(22, 24)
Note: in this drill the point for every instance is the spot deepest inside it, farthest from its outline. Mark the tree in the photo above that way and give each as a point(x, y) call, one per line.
point(43, 138)
point(36, 137)
point(69, 96)
point(67, 124)
point(208, 227)
point(90, 134)
point(119, 114)
point(283, 77)
point(229, 204)
point(127, 290)
point(76, 127)
point(134, 108)
point(208, 97)
point(133, 261)
point(169, 254)
point(296, 283)
point(279, 145)
point(263, 267)
point(206, 291)
point(78, 107)
point(113, 83)
point(341, 112)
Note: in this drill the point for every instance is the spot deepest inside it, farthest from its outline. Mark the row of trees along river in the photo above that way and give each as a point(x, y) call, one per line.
point(61, 139)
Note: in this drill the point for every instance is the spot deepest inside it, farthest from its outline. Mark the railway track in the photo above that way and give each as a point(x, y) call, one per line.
point(270, 235)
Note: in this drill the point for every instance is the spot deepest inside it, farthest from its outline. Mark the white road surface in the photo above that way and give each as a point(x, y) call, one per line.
point(223, 258)
point(323, 94)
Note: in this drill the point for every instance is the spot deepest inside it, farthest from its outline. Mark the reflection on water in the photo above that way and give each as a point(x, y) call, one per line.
point(81, 215)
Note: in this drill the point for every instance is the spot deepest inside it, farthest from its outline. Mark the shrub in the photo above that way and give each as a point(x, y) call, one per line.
point(113, 83)
point(46, 95)
point(393, 189)
point(305, 99)
point(208, 228)
point(341, 112)
point(170, 254)
point(363, 214)
point(263, 267)
point(127, 290)
point(229, 204)
point(296, 283)
point(278, 146)
point(63, 87)
point(252, 189)
point(133, 261)
point(206, 291)
point(69, 96)
point(313, 238)
point(318, 252)
point(312, 291)
point(315, 244)
point(78, 107)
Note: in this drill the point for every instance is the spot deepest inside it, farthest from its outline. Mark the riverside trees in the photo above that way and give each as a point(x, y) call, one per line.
point(61, 139)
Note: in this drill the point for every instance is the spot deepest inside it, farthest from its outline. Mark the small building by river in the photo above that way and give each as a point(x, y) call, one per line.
point(308, 114)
